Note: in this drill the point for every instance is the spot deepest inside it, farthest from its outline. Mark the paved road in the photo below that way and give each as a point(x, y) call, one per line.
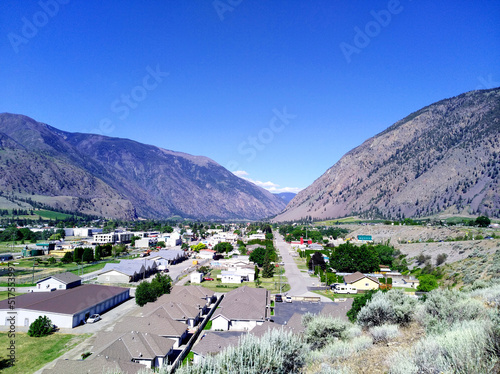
point(299, 281)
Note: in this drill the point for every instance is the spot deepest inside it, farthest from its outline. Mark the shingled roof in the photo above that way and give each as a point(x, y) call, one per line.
point(354, 277)
point(97, 365)
point(213, 343)
point(244, 303)
point(153, 325)
point(65, 278)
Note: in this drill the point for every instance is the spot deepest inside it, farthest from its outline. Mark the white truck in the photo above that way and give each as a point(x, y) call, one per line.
point(344, 288)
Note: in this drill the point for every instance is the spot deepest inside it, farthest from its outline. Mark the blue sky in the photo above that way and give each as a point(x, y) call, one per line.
point(276, 91)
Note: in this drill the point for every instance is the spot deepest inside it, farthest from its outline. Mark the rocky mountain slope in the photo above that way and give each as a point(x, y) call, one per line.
point(444, 158)
point(120, 178)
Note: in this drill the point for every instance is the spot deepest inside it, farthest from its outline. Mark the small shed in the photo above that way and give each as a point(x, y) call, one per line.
point(196, 277)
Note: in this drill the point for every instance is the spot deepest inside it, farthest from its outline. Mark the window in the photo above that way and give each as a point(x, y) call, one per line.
point(60, 286)
point(367, 284)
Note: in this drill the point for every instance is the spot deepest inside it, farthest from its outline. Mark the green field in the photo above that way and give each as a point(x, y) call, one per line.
point(5, 294)
point(52, 215)
point(34, 353)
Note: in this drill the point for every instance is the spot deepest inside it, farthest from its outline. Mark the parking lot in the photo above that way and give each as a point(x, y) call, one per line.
point(284, 311)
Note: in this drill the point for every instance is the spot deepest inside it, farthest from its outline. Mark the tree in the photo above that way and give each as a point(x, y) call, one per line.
point(134, 238)
point(161, 244)
point(77, 254)
point(42, 326)
point(269, 236)
point(428, 282)
point(441, 259)
point(198, 247)
point(98, 253)
point(51, 260)
point(358, 303)
point(88, 255)
point(317, 260)
point(144, 294)
point(223, 247)
point(350, 258)
point(482, 221)
point(161, 284)
point(55, 237)
point(67, 258)
point(168, 229)
point(257, 256)
point(118, 250)
point(267, 267)
point(256, 272)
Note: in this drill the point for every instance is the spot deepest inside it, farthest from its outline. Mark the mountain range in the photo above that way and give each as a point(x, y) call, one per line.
point(120, 178)
point(442, 159)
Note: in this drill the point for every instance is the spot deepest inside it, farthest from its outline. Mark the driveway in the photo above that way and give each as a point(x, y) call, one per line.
point(298, 280)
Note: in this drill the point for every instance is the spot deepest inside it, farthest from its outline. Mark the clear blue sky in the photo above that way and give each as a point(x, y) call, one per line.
point(275, 90)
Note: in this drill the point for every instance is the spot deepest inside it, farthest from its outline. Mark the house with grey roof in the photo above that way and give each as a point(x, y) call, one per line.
point(65, 308)
point(99, 364)
point(168, 306)
point(164, 327)
point(61, 281)
point(144, 348)
point(127, 271)
point(212, 343)
point(242, 309)
point(168, 256)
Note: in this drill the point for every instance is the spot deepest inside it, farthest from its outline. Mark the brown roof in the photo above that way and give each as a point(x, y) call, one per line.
point(212, 343)
point(96, 365)
point(337, 310)
point(260, 330)
point(152, 324)
point(131, 345)
point(199, 291)
point(354, 277)
point(244, 303)
point(70, 301)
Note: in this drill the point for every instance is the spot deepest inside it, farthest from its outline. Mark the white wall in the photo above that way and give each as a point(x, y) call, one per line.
point(242, 325)
point(113, 277)
point(48, 285)
point(60, 320)
point(220, 323)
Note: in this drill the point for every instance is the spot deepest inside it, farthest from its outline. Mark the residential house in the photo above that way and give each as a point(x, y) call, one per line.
point(144, 348)
point(169, 306)
point(164, 327)
point(212, 343)
point(196, 277)
point(98, 364)
point(206, 296)
point(242, 309)
point(207, 253)
point(361, 281)
point(127, 271)
point(61, 281)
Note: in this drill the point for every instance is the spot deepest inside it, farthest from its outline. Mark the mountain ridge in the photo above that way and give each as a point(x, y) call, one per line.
point(443, 158)
point(121, 178)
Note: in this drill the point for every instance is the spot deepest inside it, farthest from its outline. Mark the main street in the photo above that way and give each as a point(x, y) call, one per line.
point(298, 280)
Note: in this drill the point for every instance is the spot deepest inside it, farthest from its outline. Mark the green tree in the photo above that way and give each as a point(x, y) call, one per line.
point(350, 258)
point(317, 260)
point(267, 267)
point(88, 255)
point(427, 283)
point(223, 247)
point(482, 221)
point(67, 258)
point(358, 303)
point(118, 249)
point(161, 244)
point(144, 294)
point(51, 260)
point(168, 229)
point(42, 326)
point(98, 253)
point(77, 254)
point(161, 284)
point(269, 236)
point(134, 238)
point(257, 256)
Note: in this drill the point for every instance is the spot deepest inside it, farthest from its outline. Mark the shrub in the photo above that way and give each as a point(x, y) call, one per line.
point(427, 283)
point(358, 303)
point(275, 352)
point(387, 307)
point(468, 348)
point(339, 350)
point(42, 326)
point(321, 330)
point(384, 333)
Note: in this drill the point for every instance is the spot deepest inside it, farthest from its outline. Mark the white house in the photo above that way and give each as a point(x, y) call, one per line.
point(230, 277)
point(207, 253)
point(61, 281)
point(242, 309)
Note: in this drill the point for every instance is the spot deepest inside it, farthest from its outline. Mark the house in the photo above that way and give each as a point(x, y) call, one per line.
point(207, 253)
point(412, 283)
point(237, 275)
point(361, 281)
point(168, 306)
point(65, 308)
point(196, 277)
point(208, 297)
point(242, 309)
point(144, 348)
point(99, 364)
point(127, 271)
point(230, 277)
point(167, 257)
point(61, 281)
point(164, 327)
point(212, 343)
point(113, 237)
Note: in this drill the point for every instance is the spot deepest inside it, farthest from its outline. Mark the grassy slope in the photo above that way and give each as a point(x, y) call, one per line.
point(34, 353)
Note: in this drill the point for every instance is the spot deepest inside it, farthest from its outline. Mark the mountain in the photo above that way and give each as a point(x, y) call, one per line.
point(442, 159)
point(286, 196)
point(120, 178)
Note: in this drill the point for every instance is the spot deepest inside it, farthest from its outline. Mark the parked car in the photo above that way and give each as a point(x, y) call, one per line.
point(288, 299)
point(94, 318)
point(278, 298)
point(208, 279)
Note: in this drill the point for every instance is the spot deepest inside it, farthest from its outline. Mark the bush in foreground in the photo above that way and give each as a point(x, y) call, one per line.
point(392, 307)
point(42, 326)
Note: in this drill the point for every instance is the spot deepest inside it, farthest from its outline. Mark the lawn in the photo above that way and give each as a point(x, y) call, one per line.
point(52, 215)
point(334, 296)
point(273, 286)
point(5, 294)
point(33, 353)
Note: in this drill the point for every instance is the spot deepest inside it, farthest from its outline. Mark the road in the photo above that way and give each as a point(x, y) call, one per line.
point(298, 280)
